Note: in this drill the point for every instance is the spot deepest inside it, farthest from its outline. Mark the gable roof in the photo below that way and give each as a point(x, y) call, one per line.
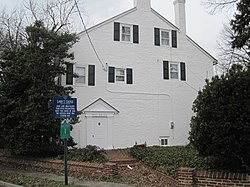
point(215, 61)
point(108, 20)
point(100, 105)
point(124, 14)
point(163, 18)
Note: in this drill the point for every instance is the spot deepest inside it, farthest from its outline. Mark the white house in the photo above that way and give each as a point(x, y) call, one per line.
point(143, 87)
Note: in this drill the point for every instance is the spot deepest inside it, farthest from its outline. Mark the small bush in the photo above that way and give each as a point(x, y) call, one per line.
point(88, 154)
point(221, 125)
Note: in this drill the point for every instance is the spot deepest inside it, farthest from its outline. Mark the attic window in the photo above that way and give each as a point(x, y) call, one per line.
point(126, 33)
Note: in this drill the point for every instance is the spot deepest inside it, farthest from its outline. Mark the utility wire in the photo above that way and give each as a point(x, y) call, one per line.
point(191, 87)
point(90, 41)
point(195, 75)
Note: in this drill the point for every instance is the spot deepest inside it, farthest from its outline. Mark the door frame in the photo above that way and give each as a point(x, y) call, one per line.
point(100, 108)
point(89, 129)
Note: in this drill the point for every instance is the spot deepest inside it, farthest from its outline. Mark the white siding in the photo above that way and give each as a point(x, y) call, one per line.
point(148, 105)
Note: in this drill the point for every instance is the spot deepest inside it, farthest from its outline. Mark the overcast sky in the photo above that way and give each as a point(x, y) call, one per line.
point(202, 27)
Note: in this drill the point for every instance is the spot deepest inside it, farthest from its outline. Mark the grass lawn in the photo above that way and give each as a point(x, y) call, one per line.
point(30, 181)
point(169, 159)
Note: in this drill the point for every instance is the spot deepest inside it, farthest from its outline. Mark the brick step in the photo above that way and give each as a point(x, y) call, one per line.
point(125, 161)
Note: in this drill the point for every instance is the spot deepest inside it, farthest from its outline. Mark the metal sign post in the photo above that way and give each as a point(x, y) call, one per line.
point(65, 135)
point(65, 161)
point(65, 108)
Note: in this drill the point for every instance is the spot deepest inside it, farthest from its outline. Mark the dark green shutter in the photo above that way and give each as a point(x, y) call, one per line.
point(69, 74)
point(157, 36)
point(129, 76)
point(165, 70)
point(111, 76)
point(174, 39)
point(183, 71)
point(116, 31)
point(135, 34)
point(91, 75)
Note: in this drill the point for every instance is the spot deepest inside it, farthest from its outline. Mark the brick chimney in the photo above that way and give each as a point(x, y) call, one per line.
point(180, 15)
point(142, 4)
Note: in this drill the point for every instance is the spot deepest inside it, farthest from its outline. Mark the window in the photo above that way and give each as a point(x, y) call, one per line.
point(81, 72)
point(165, 38)
point(164, 141)
point(126, 33)
point(120, 75)
point(171, 70)
point(174, 73)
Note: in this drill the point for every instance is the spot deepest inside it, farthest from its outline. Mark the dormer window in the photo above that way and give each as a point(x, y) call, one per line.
point(126, 33)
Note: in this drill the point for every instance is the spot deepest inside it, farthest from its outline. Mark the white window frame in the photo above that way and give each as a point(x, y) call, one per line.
point(124, 75)
point(85, 76)
point(161, 38)
point(178, 70)
point(164, 138)
point(130, 34)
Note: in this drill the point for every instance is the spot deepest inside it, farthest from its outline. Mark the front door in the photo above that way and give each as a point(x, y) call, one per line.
point(99, 134)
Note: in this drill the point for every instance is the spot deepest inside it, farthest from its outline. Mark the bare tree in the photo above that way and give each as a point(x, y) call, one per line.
point(57, 15)
point(11, 29)
point(215, 6)
point(228, 55)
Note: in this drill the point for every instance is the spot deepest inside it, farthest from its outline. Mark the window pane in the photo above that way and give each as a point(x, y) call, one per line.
point(80, 79)
point(173, 67)
point(119, 78)
point(80, 70)
point(126, 38)
point(126, 30)
point(165, 42)
point(174, 75)
point(162, 141)
point(165, 141)
point(164, 34)
point(120, 72)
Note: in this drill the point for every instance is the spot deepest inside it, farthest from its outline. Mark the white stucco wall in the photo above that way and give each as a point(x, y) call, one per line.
point(148, 105)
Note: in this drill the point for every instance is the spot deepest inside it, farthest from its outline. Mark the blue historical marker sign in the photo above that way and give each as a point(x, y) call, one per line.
point(65, 107)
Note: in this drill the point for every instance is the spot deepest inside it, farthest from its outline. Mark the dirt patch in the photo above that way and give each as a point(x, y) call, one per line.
point(141, 175)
